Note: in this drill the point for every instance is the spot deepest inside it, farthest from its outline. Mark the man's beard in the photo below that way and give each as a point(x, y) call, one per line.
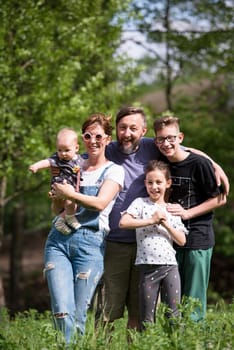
point(129, 149)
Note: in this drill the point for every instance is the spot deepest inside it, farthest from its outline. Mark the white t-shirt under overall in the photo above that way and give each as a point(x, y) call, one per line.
point(89, 178)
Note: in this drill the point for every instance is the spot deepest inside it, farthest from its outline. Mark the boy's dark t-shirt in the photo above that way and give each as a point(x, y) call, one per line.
point(193, 182)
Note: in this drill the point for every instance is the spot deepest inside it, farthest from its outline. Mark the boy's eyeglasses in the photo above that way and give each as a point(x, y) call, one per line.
point(169, 138)
point(98, 138)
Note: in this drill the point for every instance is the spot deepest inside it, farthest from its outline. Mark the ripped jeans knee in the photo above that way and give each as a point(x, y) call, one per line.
point(83, 275)
point(60, 314)
point(49, 266)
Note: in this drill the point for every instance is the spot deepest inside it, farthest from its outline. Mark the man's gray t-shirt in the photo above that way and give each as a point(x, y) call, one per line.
point(134, 165)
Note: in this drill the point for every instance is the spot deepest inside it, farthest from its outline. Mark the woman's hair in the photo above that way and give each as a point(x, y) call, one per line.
point(130, 110)
point(158, 165)
point(99, 118)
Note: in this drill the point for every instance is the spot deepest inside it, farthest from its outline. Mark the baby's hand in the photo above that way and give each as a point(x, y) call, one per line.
point(33, 168)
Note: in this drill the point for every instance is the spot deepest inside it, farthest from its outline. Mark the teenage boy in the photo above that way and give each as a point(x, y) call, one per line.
point(195, 194)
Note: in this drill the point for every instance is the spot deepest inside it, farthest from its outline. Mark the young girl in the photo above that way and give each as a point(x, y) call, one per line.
point(156, 229)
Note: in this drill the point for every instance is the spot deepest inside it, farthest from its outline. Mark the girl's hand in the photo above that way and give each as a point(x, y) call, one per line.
point(158, 217)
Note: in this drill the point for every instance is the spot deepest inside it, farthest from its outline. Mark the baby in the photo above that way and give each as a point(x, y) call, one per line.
point(69, 163)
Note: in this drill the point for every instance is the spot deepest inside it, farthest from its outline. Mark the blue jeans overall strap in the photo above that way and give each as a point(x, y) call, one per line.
point(73, 268)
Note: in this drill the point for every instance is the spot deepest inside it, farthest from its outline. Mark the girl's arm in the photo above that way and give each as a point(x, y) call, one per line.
point(107, 193)
point(178, 236)
point(203, 208)
point(129, 222)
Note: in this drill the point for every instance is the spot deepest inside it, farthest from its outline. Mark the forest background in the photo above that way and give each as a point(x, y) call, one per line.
point(62, 60)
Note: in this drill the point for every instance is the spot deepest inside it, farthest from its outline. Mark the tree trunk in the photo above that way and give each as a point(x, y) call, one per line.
point(169, 78)
point(16, 258)
point(2, 293)
point(3, 183)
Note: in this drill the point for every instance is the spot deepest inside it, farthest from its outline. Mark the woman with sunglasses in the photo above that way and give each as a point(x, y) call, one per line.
point(74, 262)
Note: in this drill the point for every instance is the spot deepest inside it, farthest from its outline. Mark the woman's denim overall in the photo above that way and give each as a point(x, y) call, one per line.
point(73, 267)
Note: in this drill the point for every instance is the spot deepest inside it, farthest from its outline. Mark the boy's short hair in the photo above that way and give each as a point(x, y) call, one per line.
point(166, 120)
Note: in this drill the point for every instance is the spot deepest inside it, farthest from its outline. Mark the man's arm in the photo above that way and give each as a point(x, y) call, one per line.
point(221, 177)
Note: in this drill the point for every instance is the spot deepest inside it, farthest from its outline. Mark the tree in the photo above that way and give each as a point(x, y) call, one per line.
point(58, 64)
point(183, 38)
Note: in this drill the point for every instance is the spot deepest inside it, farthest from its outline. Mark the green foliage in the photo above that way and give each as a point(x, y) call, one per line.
point(31, 330)
point(58, 65)
point(28, 330)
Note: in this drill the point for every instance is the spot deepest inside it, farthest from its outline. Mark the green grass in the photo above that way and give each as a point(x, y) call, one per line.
point(33, 330)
